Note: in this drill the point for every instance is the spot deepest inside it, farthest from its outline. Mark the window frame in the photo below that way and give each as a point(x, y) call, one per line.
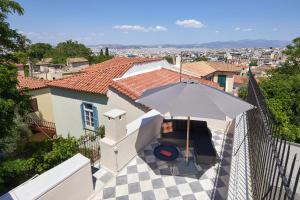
point(88, 116)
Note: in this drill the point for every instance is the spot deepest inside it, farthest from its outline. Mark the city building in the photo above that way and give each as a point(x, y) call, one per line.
point(79, 101)
point(41, 119)
point(218, 72)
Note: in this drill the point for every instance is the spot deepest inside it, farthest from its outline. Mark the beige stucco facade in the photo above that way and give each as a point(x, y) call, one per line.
point(44, 101)
point(229, 80)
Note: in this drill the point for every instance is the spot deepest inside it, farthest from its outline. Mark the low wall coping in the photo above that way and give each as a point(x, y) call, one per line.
point(36, 187)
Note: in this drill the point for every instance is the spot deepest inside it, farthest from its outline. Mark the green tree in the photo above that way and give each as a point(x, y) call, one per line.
point(106, 52)
point(201, 58)
point(39, 157)
point(99, 58)
point(39, 50)
point(20, 57)
point(101, 53)
point(282, 93)
point(169, 59)
point(10, 39)
point(69, 49)
point(13, 105)
point(253, 63)
point(242, 92)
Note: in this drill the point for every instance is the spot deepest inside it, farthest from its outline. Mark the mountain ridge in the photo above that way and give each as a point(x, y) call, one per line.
point(248, 43)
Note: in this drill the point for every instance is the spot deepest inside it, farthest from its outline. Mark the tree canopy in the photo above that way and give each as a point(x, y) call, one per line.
point(10, 39)
point(253, 63)
point(69, 49)
point(282, 92)
point(13, 104)
point(201, 58)
point(39, 50)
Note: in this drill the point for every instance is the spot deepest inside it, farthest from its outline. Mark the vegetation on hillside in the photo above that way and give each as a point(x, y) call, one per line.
point(35, 158)
point(201, 58)
point(282, 93)
point(59, 53)
point(19, 158)
point(68, 49)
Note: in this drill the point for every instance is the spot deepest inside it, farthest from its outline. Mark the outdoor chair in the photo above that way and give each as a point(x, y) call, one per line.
point(200, 138)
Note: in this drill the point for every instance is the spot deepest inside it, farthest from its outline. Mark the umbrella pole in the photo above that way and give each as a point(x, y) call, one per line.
point(187, 139)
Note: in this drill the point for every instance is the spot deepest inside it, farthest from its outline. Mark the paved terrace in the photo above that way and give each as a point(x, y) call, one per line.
point(146, 177)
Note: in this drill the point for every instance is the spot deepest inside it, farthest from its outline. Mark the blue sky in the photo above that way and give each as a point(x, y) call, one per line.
point(157, 21)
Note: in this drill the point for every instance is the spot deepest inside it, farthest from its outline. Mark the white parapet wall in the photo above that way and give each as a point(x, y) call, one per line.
point(116, 154)
point(70, 180)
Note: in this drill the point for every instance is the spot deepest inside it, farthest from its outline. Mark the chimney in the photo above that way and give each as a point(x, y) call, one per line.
point(115, 124)
point(178, 61)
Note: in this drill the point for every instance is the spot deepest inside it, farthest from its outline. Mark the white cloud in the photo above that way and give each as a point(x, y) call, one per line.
point(275, 29)
point(190, 23)
point(158, 28)
point(247, 29)
point(244, 29)
point(217, 31)
point(127, 28)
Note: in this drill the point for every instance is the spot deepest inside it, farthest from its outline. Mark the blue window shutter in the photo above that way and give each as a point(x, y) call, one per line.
point(82, 115)
point(96, 120)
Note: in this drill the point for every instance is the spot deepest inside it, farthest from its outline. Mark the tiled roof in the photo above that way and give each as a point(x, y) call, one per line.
point(134, 86)
point(224, 67)
point(198, 68)
point(97, 78)
point(203, 68)
point(240, 79)
point(118, 61)
point(30, 83)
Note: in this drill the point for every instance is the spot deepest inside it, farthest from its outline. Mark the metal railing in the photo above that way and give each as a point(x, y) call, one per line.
point(47, 128)
point(89, 146)
point(274, 175)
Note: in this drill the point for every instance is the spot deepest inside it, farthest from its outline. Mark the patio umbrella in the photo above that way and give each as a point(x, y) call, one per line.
point(193, 99)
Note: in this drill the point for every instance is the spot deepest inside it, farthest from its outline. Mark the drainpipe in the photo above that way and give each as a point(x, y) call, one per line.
point(115, 148)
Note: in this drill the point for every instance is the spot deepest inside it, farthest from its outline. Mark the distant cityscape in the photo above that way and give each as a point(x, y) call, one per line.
point(266, 52)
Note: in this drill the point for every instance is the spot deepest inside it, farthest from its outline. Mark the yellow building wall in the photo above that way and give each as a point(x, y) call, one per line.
point(44, 102)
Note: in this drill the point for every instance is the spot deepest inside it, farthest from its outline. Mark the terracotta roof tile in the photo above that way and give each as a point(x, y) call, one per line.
point(117, 61)
point(240, 79)
point(134, 86)
point(97, 78)
point(203, 68)
point(30, 83)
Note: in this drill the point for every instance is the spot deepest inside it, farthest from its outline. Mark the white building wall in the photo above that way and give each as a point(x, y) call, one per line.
point(120, 101)
point(148, 66)
point(139, 133)
point(70, 180)
point(67, 111)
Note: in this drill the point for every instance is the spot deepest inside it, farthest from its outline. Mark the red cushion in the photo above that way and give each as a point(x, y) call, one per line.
point(165, 152)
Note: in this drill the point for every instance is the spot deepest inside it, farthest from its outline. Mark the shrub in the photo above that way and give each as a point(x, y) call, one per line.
point(101, 131)
point(38, 158)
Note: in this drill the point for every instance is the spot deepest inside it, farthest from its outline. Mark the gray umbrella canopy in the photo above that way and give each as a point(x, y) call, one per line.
point(195, 100)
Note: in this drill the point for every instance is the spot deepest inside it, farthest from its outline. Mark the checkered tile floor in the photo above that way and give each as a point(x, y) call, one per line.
point(146, 177)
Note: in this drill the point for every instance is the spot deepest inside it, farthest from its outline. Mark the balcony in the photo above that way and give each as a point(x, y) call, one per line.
point(41, 127)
